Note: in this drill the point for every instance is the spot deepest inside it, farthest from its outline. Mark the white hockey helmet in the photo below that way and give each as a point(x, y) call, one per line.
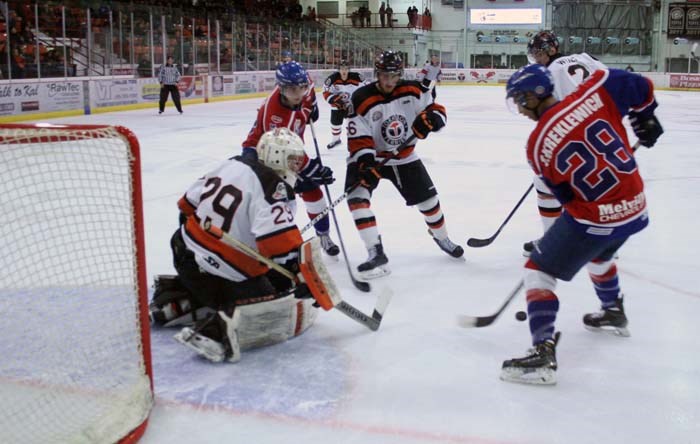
point(283, 151)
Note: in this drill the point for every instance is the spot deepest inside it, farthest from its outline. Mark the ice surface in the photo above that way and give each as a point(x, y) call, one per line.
point(420, 378)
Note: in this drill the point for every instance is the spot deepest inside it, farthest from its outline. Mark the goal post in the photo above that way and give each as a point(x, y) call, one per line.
point(75, 360)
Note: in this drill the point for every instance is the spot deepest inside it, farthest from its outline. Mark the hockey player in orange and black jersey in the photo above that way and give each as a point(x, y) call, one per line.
point(337, 91)
point(292, 104)
point(253, 202)
point(385, 113)
point(568, 72)
point(580, 149)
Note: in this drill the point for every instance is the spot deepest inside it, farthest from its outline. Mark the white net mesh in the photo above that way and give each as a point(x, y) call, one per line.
point(72, 366)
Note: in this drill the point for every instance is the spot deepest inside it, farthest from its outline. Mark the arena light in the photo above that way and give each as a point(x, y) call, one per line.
point(593, 40)
point(483, 38)
point(679, 40)
point(518, 39)
point(573, 40)
point(631, 41)
point(612, 40)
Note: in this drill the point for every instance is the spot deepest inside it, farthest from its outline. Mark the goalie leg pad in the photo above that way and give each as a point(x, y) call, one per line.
point(316, 275)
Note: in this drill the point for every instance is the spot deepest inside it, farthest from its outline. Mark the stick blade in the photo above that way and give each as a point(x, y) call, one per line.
point(465, 321)
point(382, 303)
point(361, 285)
point(478, 243)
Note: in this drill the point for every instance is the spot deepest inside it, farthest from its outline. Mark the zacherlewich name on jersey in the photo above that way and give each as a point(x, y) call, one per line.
point(612, 212)
point(567, 124)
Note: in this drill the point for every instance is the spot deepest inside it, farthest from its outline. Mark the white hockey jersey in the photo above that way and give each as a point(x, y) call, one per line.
point(251, 203)
point(382, 123)
point(570, 71)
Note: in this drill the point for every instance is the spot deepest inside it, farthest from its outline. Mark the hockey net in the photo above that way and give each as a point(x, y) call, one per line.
point(75, 355)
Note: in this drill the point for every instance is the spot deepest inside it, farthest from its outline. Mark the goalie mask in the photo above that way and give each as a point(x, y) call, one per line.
point(283, 151)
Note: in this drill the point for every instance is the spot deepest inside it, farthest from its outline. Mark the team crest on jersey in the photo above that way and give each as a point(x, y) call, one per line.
point(280, 192)
point(276, 119)
point(377, 115)
point(393, 129)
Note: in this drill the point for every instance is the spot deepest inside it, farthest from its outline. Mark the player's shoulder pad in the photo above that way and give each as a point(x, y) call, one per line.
point(355, 76)
point(274, 188)
point(410, 88)
point(364, 94)
point(332, 78)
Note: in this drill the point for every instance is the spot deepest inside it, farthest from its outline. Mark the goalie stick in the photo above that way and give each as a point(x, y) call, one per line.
point(483, 321)
point(478, 243)
point(360, 285)
point(371, 322)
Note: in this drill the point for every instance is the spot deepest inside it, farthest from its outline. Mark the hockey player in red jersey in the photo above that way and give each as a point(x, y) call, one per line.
point(337, 91)
point(580, 150)
point(385, 113)
point(235, 301)
point(292, 104)
point(568, 72)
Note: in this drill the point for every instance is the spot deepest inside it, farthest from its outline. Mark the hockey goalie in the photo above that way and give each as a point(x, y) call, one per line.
point(245, 278)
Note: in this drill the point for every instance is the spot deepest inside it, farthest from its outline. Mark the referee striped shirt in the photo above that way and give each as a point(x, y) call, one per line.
point(169, 75)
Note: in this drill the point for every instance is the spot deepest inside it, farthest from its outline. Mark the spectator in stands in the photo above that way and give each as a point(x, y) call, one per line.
point(426, 12)
point(313, 14)
point(414, 14)
point(389, 16)
point(409, 13)
point(169, 77)
point(17, 64)
point(629, 68)
point(382, 14)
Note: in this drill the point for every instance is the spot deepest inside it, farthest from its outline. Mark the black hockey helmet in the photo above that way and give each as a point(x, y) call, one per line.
point(343, 64)
point(389, 61)
point(543, 41)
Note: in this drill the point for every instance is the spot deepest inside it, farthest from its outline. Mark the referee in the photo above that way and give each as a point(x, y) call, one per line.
point(168, 78)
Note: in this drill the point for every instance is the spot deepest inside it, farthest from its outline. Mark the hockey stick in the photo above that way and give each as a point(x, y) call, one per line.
point(477, 243)
point(483, 321)
point(360, 285)
point(371, 322)
point(352, 188)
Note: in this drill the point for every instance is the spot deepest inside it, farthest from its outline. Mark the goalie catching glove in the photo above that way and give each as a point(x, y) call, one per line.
point(646, 127)
point(431, 119)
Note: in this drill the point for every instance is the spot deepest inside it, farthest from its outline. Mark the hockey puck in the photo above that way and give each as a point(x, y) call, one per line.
point(521, 316)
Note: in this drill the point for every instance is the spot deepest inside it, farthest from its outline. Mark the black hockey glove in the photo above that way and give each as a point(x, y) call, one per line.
point(367, 172)
point(250, 154)
point(317, 173)
point(427, 121)
point(314, 113)
point(646, 128)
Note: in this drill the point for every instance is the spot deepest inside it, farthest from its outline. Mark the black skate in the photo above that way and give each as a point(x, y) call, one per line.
point(538, 367)
point(448, 246)
point(214, 338)
point(608, 320)
point(333, 144)
point(327, 244)
point(375, 266)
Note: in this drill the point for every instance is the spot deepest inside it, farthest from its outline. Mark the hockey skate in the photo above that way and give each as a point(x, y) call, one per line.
point(376, 264)
point(333, 144)
point(328, 245)
point(608, 320)
point(214, 338)
point(448, 246)
point(538, 367)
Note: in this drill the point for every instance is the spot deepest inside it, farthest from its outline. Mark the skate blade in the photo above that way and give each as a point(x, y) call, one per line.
point(526, 253)
point(202, 346)
point(615, 331)
point(374, 273)
point(545, 376)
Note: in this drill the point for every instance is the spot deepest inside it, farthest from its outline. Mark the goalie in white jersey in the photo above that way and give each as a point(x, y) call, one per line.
point(234, 300)
point(568, 72)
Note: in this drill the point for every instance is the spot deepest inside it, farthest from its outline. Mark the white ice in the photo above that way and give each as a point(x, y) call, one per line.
point(420, 378)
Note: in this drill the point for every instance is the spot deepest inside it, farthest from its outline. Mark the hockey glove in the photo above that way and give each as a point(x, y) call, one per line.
point(427, 121)
point(337, 101)
point(367, 172)
point(646, 128)
point(313, 116)
point(317, 173)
